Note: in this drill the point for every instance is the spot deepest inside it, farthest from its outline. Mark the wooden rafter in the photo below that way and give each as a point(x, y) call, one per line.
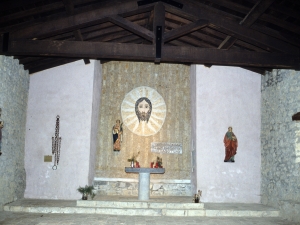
point(132, 27)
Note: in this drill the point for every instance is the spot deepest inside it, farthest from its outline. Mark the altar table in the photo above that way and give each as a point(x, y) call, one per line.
point(144, 179)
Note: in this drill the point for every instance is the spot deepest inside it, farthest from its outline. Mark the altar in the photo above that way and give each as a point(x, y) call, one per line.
point(144, 179)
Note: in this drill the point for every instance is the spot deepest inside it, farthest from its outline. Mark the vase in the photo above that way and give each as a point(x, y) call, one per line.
point(84, 196)
point(132, 164)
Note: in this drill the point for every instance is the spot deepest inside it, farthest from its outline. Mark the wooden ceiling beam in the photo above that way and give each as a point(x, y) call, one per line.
point(186, 29)
point(231, 29)
point(77, 33)
point(159, 14)
point(80, 20)
point(147, 52)
point(132, 27)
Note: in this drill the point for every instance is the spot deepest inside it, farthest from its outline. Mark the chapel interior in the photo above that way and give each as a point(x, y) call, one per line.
point(208, 72)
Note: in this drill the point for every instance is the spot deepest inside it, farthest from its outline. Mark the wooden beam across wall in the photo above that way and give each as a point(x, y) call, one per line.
point(178, 54)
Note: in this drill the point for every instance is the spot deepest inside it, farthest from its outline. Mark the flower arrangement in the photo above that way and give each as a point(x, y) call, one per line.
point(86, 191)
point(133, 158)
point(158, 163)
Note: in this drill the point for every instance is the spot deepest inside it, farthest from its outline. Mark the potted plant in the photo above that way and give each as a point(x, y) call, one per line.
point(132, 160)
point(86, 191)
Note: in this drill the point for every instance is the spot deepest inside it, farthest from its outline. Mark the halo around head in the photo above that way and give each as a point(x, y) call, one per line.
point(134, 120)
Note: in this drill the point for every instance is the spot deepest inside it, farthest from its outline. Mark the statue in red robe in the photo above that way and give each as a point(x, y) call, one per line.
point(231, 144)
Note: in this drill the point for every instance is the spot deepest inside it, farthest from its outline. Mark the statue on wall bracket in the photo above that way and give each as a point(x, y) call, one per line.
point(231, 144)
point(117, 132)
point(143, 111)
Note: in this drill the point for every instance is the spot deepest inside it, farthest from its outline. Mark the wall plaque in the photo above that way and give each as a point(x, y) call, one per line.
point(169, 148)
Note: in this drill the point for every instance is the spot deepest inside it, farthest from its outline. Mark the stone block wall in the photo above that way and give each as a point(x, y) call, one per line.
point(280, 137)
point(129, 187)
point(14, 85)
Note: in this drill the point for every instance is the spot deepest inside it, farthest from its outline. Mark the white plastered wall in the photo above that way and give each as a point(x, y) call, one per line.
point(228, 96)
point(66, 91)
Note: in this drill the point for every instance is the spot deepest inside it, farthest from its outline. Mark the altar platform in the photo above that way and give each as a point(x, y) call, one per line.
point(130, 206)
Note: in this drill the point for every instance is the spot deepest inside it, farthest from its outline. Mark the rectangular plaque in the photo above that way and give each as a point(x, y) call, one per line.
point(169, 148)
point(48, 158)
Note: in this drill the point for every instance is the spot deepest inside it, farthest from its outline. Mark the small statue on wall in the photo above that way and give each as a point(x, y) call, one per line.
point(117, 132)
point(231, 144)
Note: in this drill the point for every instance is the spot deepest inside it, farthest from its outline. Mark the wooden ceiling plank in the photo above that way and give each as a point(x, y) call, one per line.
point(132, 27)
point(31, 12)
point(279, 35)
point(240, 32)
point(257, 10)
point(286, 11)
point(281, 23)
point(186, 29)
point(8, 5)
point(113, 36)
point(147, 52)
point(69, 6)
point(77, 21)
point(231, 5)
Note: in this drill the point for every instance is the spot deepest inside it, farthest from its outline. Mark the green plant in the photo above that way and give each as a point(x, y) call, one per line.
point(86, 191)
point(133, 158)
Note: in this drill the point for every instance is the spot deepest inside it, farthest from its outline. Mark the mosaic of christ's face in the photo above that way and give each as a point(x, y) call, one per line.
point(143, 108)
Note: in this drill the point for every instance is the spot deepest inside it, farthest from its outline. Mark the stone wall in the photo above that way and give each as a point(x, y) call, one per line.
point(129, 187)
point(14, 85)
point(280, 141)
point(172, 82)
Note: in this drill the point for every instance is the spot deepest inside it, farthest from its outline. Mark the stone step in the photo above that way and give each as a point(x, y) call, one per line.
point(134, 208)
point(139, 204)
